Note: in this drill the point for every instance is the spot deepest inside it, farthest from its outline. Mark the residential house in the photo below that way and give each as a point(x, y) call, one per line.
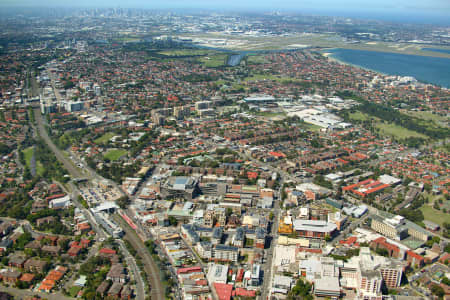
point(117, 274)
point(35, 265)
point(53, 250)
point(115, 289)
point(11, 276)
point(103, 288)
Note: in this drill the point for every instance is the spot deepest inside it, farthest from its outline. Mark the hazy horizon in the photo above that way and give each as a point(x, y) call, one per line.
point(413, 11)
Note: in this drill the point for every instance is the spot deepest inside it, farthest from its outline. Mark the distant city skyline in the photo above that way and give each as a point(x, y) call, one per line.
point(432, 11)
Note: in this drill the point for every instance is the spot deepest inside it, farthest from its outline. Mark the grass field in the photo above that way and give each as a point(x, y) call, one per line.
point(256, 59)
point(104, 138)
point(115, 154)
point(214, 61)
point(256, 77)
point(312, 127)
point(210, 58)
point(278, 78)
point(397, 131)
point(28, 154)
point(359, 116)
point(186, 52)
point(429, 116)
point(237, 86)
point(73, 291)
point(220, 82)
point(269, 114)
point(433, 215)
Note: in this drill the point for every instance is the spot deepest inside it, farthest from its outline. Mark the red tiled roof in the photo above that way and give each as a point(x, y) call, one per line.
point(252, 175)
point(107, 251)
point(240, 275)
point(414, 255)
point(189, 270)
point(202, 282)
point(244, 293)
point(277, 154)
point(27, 277)
point(224, 291)
point(348, 241)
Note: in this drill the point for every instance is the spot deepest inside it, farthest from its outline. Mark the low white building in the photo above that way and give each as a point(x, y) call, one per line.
point(62, 202)
point(218, 273)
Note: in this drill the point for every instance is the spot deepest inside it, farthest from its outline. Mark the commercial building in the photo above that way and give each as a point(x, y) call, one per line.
point(225, 253)
point(218, 273)
point(180, 187)
point(414, 259)
point(392, 276)
point(397, 227)
point(259, 99)
point(365, 188)
point(371, 273)
point(72, 106)
point(60, 202)
point(369, 284)
point(393, 228)
point(392, 250)
point(255, 279)
point(180, 112)
point(108, 224)
point(314, 228)
point(201, 105)
point(281, 284)
point(327, 287)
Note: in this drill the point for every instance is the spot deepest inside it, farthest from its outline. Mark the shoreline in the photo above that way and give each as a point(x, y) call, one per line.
point(330, 56)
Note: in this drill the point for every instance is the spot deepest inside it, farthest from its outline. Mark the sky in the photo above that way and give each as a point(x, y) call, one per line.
point(426, 11)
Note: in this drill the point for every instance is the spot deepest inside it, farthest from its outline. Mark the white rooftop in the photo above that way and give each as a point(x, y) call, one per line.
point(314, 225)
point(327, 284)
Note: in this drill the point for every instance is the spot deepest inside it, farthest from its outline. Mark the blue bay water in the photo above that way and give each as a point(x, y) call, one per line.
point(437, 50)
point(434, 70)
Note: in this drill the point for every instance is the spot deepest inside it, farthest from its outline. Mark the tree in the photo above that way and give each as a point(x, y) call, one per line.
point(23, 240)
point(173, 221)
point(123, 202)
point(436, 206)
point(446, 281)
point(228, 211)
point(414, 215)
point(302, 290)
point(437, 290)
point(382, 252)
point(4, 149)
point(316, 144)
point(320, 180)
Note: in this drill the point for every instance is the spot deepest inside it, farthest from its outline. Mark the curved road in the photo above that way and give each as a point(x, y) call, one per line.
point(149, 265)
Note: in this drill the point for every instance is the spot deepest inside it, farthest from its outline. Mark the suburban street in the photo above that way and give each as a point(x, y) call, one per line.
point(267, 282)
point(150, 267)
point(140, 293)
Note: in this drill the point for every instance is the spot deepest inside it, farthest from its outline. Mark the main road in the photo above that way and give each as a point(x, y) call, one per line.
point(268, 266)
point(75, 173)
point(70, 167)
